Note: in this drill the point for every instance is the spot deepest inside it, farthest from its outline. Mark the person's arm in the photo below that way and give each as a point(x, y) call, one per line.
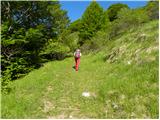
point(74, 53)
point(80, 54)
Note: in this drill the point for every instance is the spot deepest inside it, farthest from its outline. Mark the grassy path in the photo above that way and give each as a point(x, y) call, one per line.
point(67, 89)
point(55, 91)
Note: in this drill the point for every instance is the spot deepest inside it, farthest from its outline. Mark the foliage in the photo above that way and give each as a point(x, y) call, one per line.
point(86, 47)
point(26, 28)
point(106, 25)
point(72, 41)
point(75, 26)
point(28, 14)
point(128, 18)
point(60, 19)
point(114, 9)
point(59, 52)
point(99, 41)
point(92, 21)
point(152, 9)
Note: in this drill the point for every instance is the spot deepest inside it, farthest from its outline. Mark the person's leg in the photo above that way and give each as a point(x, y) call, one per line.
point(76, 65)
point(78, 62)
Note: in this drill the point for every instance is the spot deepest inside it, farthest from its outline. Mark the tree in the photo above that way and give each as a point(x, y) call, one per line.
point(27, 27)
point(75, 26)
point(92, 21)
point(60, 20)
point(106, 24)
point(114, 9)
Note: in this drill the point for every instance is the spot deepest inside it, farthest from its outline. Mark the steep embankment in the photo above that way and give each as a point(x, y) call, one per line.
point(122, 81)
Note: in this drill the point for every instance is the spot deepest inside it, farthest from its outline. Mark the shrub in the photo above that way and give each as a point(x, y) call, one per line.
point(15, 69)
point(99, 40)
point(86, 47)
point(128, 18)
point(72, 41)
point(54, 50)
point(152, 9)
point(96, 43)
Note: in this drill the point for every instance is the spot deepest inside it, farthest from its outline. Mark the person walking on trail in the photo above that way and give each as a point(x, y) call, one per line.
point(77, 55)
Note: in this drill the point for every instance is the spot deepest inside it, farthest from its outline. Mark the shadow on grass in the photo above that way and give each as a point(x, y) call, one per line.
point(74, 67)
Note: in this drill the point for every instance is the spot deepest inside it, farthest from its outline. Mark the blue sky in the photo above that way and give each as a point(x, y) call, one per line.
point(76, 8)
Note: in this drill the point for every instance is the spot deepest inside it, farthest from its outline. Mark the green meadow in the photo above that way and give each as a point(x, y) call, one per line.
point(122, 80)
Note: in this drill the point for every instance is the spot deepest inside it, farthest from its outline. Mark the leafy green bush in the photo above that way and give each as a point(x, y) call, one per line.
point(128, 18)
point(86, 47)
point(35, 39)
point(99, 40)
point(152, 9)
point(54, 50)
point(14, 69)
point(96, 43)
point(72, 41)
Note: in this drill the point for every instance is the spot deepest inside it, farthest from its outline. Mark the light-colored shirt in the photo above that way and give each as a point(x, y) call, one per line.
point(75, 53)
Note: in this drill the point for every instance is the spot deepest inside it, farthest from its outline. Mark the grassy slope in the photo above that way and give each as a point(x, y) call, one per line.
point(118, 89)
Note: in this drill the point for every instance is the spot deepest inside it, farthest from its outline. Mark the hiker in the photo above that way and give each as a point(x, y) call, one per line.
point(77, 55)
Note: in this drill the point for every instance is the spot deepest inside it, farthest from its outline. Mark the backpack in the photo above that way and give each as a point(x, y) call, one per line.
point(77, 54)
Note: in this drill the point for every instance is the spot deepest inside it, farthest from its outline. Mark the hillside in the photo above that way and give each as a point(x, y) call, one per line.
point(122, 81)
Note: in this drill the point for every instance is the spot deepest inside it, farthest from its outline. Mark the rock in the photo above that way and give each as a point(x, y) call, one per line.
point(115, 106)
point(112, 57)
point(70, 116)
point(89, 94)
point(86, 94)
point(129, 62)
point(133, 114)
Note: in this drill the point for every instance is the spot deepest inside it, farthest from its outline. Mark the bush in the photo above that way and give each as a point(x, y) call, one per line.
point(15, 69)
point(99, 40)
point(152, 9)
point(54, 50)
point(72, 41)
point(128, 18)
point(132, 17)
point(96, 43)
point(86, 47)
